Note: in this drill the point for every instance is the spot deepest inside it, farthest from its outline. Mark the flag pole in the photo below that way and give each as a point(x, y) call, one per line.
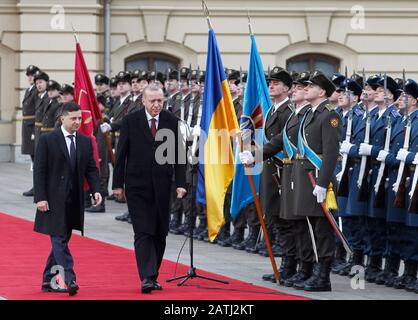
point(101, 120)
point(255, 197)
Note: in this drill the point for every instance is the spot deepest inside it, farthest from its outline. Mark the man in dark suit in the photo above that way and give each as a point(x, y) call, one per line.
point(63, 159)
point(147, 179)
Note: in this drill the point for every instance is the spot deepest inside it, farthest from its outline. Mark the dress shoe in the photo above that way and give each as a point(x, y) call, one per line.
point(157, 286)
point(28, 193)
point(269, 277)
point(46, 287)
point(100, 208)
point(111, 197)
point(123, 217)
point(72, 288)
point(147, 285)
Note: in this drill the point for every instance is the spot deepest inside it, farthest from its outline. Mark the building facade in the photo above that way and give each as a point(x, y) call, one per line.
point(377, 35)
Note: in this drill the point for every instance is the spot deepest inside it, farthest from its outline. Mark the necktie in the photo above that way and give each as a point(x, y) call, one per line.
point(73, 159)
point(153, 127)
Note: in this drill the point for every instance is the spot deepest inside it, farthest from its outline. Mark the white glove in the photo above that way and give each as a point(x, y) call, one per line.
point(246, 157)
point(382, 155)
point(339, 175)
point(402, 154)
point(365, 149)
point(196, 131)
point(394, 187)
point(345, 147)
point(105, 127)
point(415, 159)
point(320, 194)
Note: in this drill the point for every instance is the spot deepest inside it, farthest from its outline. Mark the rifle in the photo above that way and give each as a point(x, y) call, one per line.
point(343, 187)
point(379, 187)
point(413, 204)
point(362, 181)
point(400, 184)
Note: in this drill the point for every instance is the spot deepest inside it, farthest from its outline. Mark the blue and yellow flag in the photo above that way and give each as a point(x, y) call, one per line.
point(256, 105)
point(218, 125)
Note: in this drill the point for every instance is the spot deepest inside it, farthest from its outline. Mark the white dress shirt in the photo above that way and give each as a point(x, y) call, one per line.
point(149, 117)
point(67, 139)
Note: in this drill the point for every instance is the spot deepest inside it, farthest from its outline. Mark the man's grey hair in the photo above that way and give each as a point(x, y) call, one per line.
point(151, 87)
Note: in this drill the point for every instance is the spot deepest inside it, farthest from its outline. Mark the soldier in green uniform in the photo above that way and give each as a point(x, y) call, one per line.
point(42, 100)
point(318, 149)
point(52, 110)
point(28, 118)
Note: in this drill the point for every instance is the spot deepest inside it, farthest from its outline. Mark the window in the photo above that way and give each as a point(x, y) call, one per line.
point(314, 61)
point(151, 61)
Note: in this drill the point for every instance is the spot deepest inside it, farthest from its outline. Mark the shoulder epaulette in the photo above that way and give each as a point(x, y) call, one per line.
point(329, 107)
point(395, 113)
point(358, 112)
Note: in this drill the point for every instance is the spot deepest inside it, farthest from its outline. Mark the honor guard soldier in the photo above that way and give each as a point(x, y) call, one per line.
point(173, 92)
point(123, 106)
point(52, 110)
point(356, 209)
point(28, 118)
point(395, 198)
point(139, 82)
point(380, 130)
point(42, 100)
point(351, 115)
point(157, 78)
point(408, 280)
point(280, 82)
point(114, 93)
point(318, 145)
point(180, 109)
point(103, 93)
point(337, 79)
point(172, 104)
point(67, 93)
point(293, 230)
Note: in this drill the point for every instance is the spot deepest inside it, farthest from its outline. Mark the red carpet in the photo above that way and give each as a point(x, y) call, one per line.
point(104, 272)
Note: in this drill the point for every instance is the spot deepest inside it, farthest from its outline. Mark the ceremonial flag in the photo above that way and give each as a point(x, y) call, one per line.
point(218, 124)
point(85, 96)
point(256, 105)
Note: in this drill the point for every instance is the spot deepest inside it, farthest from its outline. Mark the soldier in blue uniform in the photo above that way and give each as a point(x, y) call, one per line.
point(376, 216)
point(356, 210)
point(406, 237)
point(350, 112)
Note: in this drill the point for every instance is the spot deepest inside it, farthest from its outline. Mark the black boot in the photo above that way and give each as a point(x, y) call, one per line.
point(320, 280)
point(288, 269)
point(389, 274)
point(297, 280)
point(252, 245)
point(357, 259)
point(28, 193)
point(202, 235)
point(242, 244)
point(374, 266)
point(224, 234)
point(339, 259)
point(409, 276)
point(413, 287)
point(200, 228)
point(87, 200)
point(189, 222)
point(236, 238)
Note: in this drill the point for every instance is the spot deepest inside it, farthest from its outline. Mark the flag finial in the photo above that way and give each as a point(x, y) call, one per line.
point(206, 13)
point(250, 27)
point(75, 33)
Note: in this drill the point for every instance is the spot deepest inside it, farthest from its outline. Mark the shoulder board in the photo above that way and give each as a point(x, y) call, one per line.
point(291, 106)
point(358, 112)
point(329, 107)
point(395, 113)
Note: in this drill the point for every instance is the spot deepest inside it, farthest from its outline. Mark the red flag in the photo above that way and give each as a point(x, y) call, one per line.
point(85, 96)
